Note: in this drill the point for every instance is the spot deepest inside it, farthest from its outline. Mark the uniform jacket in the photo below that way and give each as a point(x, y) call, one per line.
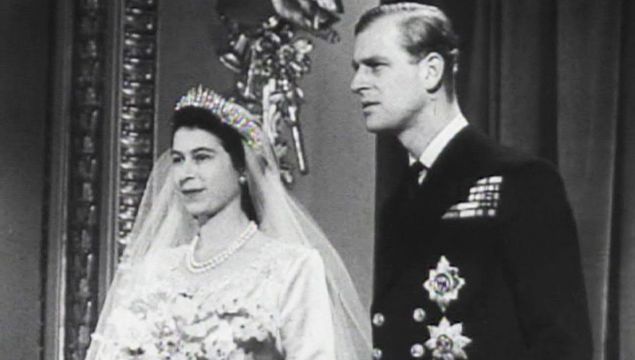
point(487, 241)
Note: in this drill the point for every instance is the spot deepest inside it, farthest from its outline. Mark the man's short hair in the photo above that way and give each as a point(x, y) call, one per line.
point(424, 29)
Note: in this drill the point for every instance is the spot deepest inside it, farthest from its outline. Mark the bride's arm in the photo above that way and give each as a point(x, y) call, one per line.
point(306, 320)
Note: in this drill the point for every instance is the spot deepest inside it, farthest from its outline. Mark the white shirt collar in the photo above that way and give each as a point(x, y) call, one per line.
point(440, 141)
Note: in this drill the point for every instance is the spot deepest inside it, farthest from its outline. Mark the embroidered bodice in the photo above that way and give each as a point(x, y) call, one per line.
point(283, 284)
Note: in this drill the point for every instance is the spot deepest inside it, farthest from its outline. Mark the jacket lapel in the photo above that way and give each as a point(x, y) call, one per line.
point(440, 189)
point(442, 185)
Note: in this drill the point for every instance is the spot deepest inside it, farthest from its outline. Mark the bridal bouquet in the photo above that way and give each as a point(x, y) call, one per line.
point(165, 325)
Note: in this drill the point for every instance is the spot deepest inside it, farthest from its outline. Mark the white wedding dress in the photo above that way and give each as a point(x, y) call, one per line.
point(285, 281)
point(287, 275)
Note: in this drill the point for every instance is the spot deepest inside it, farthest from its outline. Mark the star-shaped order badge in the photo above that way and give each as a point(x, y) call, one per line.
point(444, 283)
point(447, 341)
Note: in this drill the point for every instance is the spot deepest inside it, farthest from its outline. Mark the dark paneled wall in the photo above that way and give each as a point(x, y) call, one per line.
point(24, 73)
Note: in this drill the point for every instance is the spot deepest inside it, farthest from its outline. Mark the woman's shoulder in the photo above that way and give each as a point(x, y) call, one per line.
point(283, 246)
point(284, 253)
point(163, 259)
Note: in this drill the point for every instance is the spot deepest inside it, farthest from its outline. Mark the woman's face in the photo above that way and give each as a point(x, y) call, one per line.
point(205, 176)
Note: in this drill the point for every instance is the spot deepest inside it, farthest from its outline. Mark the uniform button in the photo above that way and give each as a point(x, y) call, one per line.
point(417, 351)
point(377, 354)
point(378, 319)
point(419, 315)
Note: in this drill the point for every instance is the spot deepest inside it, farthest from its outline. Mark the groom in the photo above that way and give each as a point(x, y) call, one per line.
point(477, 255)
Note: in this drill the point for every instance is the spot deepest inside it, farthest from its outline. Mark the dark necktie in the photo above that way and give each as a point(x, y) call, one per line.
point(414, 171)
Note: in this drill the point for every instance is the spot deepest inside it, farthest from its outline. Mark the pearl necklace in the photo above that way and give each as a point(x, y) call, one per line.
point(198, 267)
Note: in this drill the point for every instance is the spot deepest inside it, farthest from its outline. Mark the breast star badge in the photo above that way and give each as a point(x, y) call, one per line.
point(444, 283)
point(447, 341)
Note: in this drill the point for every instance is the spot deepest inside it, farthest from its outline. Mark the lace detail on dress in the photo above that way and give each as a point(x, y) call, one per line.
point(261, 262)
point(251, 284)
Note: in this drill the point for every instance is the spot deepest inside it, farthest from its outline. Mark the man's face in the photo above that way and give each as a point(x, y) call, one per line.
point(387, 78)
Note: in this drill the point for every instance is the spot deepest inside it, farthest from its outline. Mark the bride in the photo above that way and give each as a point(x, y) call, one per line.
point(222, 263)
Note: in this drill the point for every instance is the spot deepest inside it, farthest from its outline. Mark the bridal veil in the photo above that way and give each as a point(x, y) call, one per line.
point(163, 222)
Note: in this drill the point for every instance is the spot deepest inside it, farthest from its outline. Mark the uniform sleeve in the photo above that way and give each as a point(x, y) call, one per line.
point(306, 320)
point(543, 261)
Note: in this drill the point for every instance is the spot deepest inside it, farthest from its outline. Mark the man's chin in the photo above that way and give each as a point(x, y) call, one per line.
point(373, 130)
point(372, 126)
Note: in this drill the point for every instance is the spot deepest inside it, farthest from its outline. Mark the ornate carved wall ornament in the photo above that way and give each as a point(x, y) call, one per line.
point(270, 59)
point(137, 110)
point(107, 93)
point(87, 116)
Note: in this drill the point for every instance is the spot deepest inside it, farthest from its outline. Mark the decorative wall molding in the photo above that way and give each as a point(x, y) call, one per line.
point(109, 129)
point(137, 110)
point(84, 178)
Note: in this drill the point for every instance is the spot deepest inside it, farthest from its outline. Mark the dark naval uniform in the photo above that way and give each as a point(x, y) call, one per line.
point(480, 262)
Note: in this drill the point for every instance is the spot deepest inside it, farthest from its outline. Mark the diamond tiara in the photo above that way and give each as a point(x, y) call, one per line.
point(227, 111)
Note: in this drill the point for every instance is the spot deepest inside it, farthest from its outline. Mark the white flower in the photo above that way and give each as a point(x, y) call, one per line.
point(168, 343)
point(192, 349)
point(238, 354)
point(223, 349)
point(221, 341)
point(150, 352)
point(185, 308)
point(303, 46)
point(246, 328)
point(131, 332)
point(447, 341)
point(197, 329)
point(179, 356)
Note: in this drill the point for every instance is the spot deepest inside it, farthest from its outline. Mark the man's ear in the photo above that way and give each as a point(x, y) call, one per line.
point(431, 69)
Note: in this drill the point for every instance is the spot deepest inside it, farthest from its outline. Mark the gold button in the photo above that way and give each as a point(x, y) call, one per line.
point(417, 351)
point(419, 315)
point(378, 319)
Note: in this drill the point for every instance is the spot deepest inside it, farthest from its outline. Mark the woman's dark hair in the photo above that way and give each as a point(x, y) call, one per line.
point(198, 118)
